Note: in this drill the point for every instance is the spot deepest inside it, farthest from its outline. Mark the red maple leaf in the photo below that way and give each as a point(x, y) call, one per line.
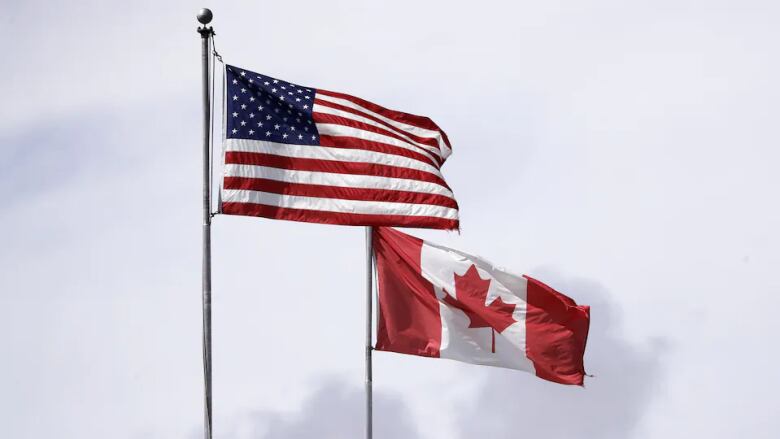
point(472, 294)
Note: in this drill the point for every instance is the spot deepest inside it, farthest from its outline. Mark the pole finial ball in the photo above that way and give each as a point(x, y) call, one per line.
point(205, 16)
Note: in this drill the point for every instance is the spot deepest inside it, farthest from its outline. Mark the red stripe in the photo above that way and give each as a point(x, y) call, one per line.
point(398, 116)
point(331, 166)
point(338, 218)
point(409, 319)
point(338, 120)
point(343, 193)
point(369, 145)
point(424, 140)
point(556, 334)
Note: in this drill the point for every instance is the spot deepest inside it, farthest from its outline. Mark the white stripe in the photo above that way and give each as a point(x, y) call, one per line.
point(338, 180)
point(347, 115)
point(417, 131)
point(326, 153)
point(332, 129)
point(337, 205)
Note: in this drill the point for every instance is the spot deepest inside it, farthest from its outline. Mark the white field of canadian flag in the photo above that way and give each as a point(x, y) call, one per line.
point(438, 302)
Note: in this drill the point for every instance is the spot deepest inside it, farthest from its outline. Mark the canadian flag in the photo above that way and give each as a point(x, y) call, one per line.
point(438, 302)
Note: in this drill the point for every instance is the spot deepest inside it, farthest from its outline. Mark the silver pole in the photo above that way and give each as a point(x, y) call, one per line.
point(369, 348)
point(206, 33)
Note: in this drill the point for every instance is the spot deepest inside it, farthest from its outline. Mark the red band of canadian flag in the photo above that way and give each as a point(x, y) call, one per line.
point(439, 302)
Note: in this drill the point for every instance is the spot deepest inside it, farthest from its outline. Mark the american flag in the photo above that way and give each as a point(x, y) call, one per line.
point(303, 154)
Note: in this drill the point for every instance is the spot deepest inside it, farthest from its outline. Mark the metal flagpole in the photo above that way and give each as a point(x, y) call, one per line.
point(369, 348)
point(206, 33)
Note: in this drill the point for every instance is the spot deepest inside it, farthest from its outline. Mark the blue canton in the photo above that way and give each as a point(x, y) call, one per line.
point(260, 107)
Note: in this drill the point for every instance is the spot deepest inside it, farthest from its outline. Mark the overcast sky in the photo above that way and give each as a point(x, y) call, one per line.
point(626, 153)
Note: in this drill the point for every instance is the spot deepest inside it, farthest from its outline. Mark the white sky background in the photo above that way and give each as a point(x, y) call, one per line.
point(624, 152)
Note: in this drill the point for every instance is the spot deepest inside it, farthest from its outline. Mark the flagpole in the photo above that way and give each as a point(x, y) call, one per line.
point(369, 348)
point(206, 33)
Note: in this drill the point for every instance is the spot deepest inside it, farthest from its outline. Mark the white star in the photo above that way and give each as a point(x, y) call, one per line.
point(276, 81)
point(235, 98)
point(243, 73)
point(305, 107)
point(251, 115)
point(300, 136)
point(313, 137)
point(300, 91)
point(281, 98)
point(243, 123)
point(235, 114)
point(284, 119)
point(273, 90)
point(267, 101)
point(243, 106)
point(284, 136)
point(235, 81)
point(297, 99)
point(276, 127)
point(251, 99)
point(267, 83)
point(289, 92)
point(306, 128)
point(306, 97)
point(243, 90)
point(259, 108)
point(267, 133)
point(308, 90)
point(235, 131)
point(284, 88)
point(268, 117)
point(276, 110)
point(259, 124)
point(292, 128)
point(309, 122)
point(251, 81)
point(251, 132)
